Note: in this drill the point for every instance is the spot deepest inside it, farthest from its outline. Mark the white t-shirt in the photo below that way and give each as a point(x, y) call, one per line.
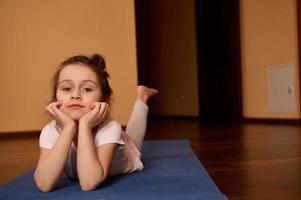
point(127, 157)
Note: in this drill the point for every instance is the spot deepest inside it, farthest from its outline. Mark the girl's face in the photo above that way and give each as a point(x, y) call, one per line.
point(77, 90)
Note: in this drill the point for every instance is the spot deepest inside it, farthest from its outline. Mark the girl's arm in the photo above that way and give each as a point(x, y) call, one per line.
point(52, 161)
point(93, 165)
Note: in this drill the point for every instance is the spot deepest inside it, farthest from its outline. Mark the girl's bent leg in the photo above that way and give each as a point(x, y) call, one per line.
point(137, 124)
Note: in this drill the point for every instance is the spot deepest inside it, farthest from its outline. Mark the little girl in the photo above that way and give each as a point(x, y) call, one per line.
point(83, 140)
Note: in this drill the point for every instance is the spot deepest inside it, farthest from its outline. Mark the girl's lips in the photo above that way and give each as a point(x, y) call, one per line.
point(75, 106)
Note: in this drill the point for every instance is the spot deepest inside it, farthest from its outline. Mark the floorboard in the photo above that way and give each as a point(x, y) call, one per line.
point(247, 161)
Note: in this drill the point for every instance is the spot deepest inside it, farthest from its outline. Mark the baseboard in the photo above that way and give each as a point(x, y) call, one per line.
point(167, 117)
point(20, 134)
point(25, 134)
point(271, 121)
point(243, 120)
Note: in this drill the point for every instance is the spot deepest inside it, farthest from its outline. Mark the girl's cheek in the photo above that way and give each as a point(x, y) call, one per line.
point(63, 107)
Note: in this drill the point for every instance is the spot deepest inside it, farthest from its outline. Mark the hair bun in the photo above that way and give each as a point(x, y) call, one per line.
point(99, 61)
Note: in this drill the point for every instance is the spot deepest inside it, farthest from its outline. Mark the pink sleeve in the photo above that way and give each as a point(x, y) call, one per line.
point(48, 136)
point(109, 133)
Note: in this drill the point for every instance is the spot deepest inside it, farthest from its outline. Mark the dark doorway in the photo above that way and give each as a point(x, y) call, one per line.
point(219, 60)
point(217, 50)
point(167, 59)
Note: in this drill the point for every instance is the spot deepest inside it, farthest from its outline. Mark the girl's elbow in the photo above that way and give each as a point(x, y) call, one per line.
point(42, 186)
point(45, 189)
point(90, 185)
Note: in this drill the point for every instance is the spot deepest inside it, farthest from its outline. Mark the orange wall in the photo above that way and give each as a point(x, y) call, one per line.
point(268, 37)
point(37, 35)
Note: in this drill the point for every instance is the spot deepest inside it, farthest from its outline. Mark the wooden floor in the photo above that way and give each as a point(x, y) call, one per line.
point(249, 161)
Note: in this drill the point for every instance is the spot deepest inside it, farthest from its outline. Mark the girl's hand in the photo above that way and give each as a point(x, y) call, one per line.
point(99, 112)
point(61, 118)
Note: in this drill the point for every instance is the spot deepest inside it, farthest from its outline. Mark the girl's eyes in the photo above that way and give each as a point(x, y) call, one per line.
point(66, 89)
point(69, 89)
point(87, 89)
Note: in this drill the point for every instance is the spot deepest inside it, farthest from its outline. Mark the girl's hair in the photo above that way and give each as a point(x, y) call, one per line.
point(97, 64)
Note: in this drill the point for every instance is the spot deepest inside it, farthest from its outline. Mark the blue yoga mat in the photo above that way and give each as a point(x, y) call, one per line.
point(172, 171)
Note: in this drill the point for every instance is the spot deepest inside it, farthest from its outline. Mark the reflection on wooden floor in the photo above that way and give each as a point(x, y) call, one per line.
point(246, 161)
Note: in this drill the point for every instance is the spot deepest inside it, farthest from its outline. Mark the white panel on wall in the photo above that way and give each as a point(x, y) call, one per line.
point(281, 91)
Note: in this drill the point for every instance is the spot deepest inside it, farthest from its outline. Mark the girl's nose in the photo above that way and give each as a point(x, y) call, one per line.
point(76, 96)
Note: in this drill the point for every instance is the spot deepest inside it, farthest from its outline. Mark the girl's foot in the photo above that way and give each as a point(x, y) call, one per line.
point(144, 93)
